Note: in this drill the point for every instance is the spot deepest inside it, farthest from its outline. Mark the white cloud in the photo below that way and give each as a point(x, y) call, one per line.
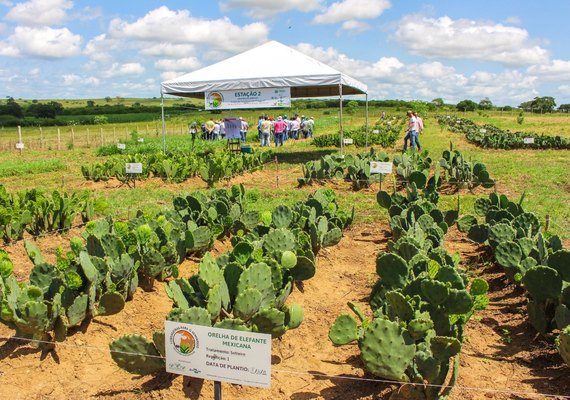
point(467, 39)
point(353, 26)
point(127, 69)
point(40, 12)
point(41, 42)
point(99, 48)
point(513, 20)
point(388, 77)
point(556, 70)
point(179, 27)
point(186, 64)
point(564, 89)
point(346, 10)
point(257, 8)
point(71, 79)
point(35, 72)
point(168, 50)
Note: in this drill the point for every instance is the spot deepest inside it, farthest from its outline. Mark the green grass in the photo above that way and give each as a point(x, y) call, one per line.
point(19, 167)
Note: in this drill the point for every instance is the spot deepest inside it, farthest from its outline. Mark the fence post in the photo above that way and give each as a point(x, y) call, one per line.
point(41, 138)
point(547, 223)
point(20, 137)
point(72, 136)
point(58, 138)
point(88, 139)
point(114, 135)
point(102, 138)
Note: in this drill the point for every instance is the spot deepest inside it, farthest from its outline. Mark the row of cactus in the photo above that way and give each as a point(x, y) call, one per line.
point(177, 166)
point(528, 257)
point(383, 133)
point(491, 137)
point(36, 212)
point(420, 303)
point(246, 288)
point(463, 173)
point(111, 259)
point(353, 168)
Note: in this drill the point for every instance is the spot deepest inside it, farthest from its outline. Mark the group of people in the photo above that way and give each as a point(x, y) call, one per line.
point(284, 128)
point(415, 128)
point(281, 129)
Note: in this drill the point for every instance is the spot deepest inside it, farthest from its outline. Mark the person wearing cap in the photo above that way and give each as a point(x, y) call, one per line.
point(287, 126)
point(279, 127)
point(265, 131)
point(295, 126)
point(309, 126)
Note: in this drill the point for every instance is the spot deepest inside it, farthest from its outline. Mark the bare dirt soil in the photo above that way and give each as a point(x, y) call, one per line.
point(501, 353)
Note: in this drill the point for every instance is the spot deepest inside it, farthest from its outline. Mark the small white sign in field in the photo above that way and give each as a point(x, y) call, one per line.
point(140, 140)
point(348, 141)
point(379, 167)
point(20, 146)
point(134, 168)
point(238, 357)
point(483, 130)
point(528, 140)
point(121, 146)
point(375, 131)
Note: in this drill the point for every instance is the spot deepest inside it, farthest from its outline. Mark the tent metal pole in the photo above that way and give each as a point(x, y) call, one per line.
point(163, 122)
point(366, 123)
point(341, 132)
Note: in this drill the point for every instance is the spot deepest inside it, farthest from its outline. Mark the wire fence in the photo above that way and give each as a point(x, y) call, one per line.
point(315, 375)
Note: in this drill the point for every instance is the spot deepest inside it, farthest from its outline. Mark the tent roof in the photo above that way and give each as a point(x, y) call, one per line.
point(270, 65)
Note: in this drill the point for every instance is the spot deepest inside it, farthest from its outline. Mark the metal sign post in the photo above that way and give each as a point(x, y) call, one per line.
point(217, 390)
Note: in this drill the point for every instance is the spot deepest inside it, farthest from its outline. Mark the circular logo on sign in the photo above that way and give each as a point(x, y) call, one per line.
point(215, 99)
point(183, 340)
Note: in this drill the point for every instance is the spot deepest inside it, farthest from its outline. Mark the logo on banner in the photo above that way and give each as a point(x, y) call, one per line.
point(215, 99)
point(184, 341)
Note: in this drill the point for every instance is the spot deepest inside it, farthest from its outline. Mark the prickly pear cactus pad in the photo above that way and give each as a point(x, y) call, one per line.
point(387, 350)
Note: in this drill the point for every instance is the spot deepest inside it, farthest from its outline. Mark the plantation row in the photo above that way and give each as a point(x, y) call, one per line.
point(410, 167)
point(540, 264)
point(420, 303)
point(35, 212)
point(178, 166)
point(382, 133)
point(491, 137)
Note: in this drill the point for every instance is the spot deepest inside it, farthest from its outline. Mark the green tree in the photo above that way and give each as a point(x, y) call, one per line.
point(564, 107)
point(438, 102)
point(540, 104)
point(485, 104)
point(108, 99)
point(12, 108)
point(100, 120)
point(351, 107)
point(466, 105)
point(90, 103)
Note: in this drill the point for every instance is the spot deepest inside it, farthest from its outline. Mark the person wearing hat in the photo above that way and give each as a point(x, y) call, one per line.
point(287, 126)
point(279, 127)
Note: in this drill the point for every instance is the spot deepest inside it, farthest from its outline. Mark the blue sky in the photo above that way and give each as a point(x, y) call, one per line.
point(508, 51)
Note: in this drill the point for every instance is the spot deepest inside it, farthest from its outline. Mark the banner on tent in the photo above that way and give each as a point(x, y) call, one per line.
point(248, 98)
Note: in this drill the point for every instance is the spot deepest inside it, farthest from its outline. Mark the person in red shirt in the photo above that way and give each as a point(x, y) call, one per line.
point(279, 127)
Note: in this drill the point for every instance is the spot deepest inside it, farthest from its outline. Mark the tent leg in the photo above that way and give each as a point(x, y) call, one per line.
point(366, 123)
point(163, 123)
point(341, 131)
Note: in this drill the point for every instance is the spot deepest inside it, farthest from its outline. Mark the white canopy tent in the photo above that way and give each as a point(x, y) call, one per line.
point(271, 65)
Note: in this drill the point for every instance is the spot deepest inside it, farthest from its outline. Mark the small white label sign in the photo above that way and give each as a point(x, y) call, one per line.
point(140, 140)
point(20, 146)
point(243, 358)
point(379, 167)
point(376, 131)
point(348, 141)
point(121, 146)
point(528, 140)
point(134, 168)
point(483, 130)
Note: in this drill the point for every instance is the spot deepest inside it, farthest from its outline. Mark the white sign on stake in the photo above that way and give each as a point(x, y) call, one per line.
point(528, 140)
point(348, 141)
point(20, 146)
point(483, 130)
point(379, 167)
point(376, 131)
point(140, 140)
point(134, 168)
point(243, 358)
point(121, 146)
